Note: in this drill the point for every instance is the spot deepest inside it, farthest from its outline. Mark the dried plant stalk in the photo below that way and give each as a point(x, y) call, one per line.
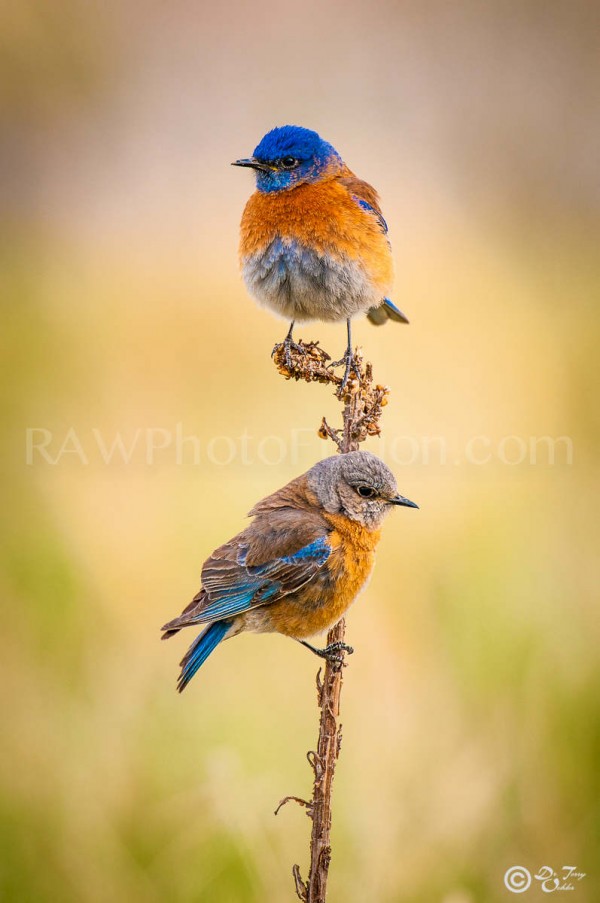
point(363, 404)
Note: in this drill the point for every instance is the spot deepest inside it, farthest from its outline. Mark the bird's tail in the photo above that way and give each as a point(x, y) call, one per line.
point(174, 626)
point(199, 651)
point(387, 310)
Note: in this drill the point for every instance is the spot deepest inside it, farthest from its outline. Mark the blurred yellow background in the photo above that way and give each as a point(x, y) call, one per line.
point(470, 710)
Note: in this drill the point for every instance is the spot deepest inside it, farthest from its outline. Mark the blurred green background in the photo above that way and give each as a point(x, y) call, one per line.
point(470, 710)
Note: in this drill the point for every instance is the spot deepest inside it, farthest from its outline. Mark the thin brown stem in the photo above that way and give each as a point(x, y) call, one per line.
point(363, 404)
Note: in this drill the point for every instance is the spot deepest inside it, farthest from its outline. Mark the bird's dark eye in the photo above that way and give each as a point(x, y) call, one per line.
point(288, 162)
point(367, 492)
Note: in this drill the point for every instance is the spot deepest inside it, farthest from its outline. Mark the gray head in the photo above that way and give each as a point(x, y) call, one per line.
point(357, 484)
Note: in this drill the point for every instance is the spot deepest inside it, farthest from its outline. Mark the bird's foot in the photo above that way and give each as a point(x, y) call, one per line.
point(332, 652)
point(337, 647)
point(348, 360)
point(288, 346)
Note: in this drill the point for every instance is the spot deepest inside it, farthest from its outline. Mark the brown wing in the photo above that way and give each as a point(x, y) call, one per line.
point(275, 556)
point(365, 196)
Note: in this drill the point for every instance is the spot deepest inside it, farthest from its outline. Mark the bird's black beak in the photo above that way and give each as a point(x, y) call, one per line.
point(400, 500)
point(252, 164)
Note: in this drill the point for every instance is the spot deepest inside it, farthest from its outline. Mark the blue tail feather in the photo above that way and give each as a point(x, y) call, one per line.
point(199, 651)
point(387, 310)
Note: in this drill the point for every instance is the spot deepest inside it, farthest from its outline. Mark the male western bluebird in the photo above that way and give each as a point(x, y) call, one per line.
point(313, 239)
point(300, 564)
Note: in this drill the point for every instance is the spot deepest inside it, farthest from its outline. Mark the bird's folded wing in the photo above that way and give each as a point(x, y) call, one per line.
point(366, 197)
point(258, 567)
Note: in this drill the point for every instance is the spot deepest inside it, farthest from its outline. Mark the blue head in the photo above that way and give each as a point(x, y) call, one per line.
point(290, 155)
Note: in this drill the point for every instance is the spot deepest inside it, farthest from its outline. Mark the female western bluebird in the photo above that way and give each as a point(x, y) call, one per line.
point(313, 239)
point(300, 564)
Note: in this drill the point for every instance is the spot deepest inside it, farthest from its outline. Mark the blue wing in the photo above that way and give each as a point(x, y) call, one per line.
point(231, 586)
point(370, 209)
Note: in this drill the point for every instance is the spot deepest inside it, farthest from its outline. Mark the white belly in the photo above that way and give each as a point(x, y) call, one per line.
point(300, 284)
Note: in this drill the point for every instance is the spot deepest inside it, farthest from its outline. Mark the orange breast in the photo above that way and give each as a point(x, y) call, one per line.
point(324, 217)
point(356, 558)
point(323, 602)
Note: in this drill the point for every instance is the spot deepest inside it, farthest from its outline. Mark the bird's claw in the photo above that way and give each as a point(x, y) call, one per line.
point(332, 655)
point(288, 346)
point(348, 360)
point(338, 647)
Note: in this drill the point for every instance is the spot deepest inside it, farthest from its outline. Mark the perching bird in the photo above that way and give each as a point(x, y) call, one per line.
point(313, 239)
point(300, 564)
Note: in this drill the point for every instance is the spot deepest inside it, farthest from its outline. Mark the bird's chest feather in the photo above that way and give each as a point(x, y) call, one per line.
point(351, 567)
point(322, 603)
point(322, 216)
point(312, 253)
